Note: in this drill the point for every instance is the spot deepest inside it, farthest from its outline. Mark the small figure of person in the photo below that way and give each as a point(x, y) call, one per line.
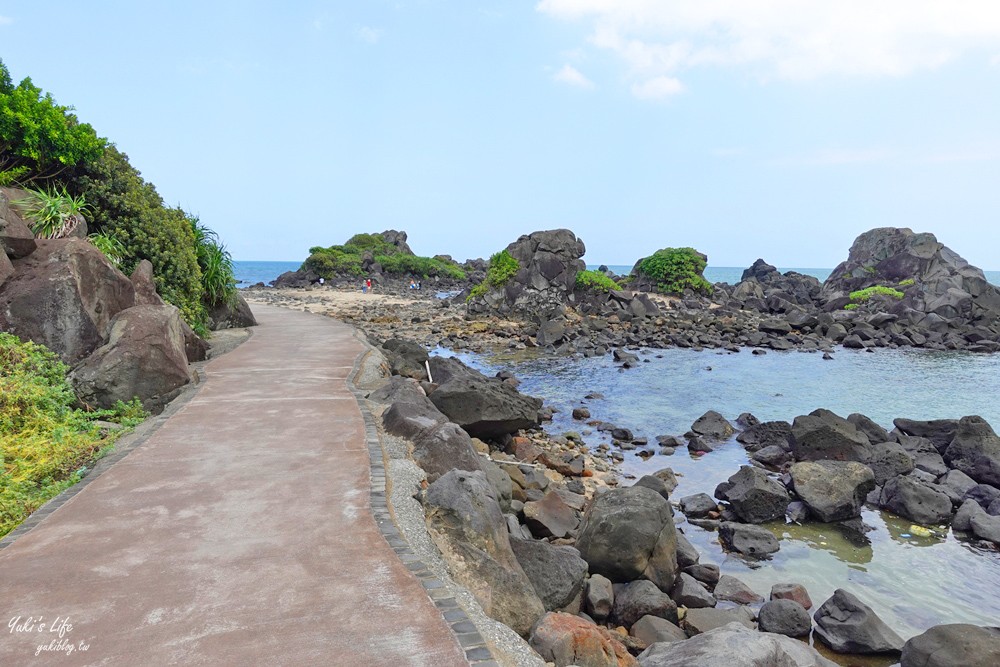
point(321, 281)
point(364, 287)
point(420, 285)
point(413, 284)
point(368, 284)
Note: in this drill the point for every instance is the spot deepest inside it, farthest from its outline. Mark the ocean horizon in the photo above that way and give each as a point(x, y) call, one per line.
point(252, 272)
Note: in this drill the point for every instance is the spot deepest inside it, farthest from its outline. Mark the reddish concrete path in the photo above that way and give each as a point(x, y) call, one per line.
point(240, 533)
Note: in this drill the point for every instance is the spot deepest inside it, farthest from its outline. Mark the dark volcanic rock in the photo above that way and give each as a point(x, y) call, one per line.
point(939, 431)
point(652, 629)
point(733, 646)
point(485, 407)
point(600, 597)
point(640, 598)
point(847, 625)
point(629, 533)
point(975, 450)
point(689, 592)
point(766, 434)
point(406, 358)
point(755, 497)
point(731, 589)
point(144, 358)
point(550, 516)
point(914, 500)
point(698, 621)
point(16, 239)
point(446, 447)
point(556, 572)
point(822, 435)
point(235, 314)
point(889, 459)
point(956, 645)
point(833, 490)
point(784, 617)
point(713, 425)
point(751, 541)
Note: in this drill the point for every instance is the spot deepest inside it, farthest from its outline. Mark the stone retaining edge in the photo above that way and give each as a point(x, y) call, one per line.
point(477, 652)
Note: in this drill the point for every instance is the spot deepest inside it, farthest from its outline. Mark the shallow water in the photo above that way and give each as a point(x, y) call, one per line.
point(912, 582)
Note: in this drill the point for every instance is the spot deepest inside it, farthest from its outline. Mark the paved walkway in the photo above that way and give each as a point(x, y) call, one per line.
point(239, 534)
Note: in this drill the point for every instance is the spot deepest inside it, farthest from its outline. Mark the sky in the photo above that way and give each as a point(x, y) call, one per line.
point(778, 129)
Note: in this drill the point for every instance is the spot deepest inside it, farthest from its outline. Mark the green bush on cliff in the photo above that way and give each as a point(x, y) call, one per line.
point(40, 139)
point(218, 279)
point(347, 260)
point(46, 445)
point(675, 270)
point(597, 281)
point(129, 208)
point(502, 268)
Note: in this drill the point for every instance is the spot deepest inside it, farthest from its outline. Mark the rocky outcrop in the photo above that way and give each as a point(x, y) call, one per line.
point(847, 625)
point(144, 357)
point(955, 645)
point(549, 261)
point(63, 296)
point(629, 534)
point(466, 523)
point(944, 284)
point(406, 358)
point(833, 490)
point(733, 645)
point(144, 285)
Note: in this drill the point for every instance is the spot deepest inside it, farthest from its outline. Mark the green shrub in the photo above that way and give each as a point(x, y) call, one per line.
point(333, 261)
point(503, 266)
point(373, 243)
point(594, 280)
point(851, 306)
point(218, 279)
point(46, 445)
point(864, 295)
point(126, 206)
point(675, 270)
point(907, 283)
point(427, 267)
point(110, 246)
point(12, 176)
point(38, 136)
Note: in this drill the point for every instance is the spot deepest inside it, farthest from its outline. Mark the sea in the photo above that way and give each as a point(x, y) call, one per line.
point(250, 273)
point(913, 580)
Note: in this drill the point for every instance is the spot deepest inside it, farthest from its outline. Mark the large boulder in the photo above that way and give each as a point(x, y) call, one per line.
point(713, 425)
point(468, 527)
point(550, 516)
point(557, 573)
point(544, 284)
point(888, 460)
point(955, 645)
point(823, 435)
point(750, 541)
point(485, 407)
point(848, 625)
point(911, 498)
point(16, 239)
point(144, 285)
point(446, 447)
point(945, 284)
point(766, 434)
point(64, 296)
point(833, 490)
point(563, 640)
point(784, 617)
point(144, 357)
point(406, 358)
point(755, 497)
point(629, 534)
point(232, 314)
point(975, 450)
point(733, 645)
point(412, 418)
point(939, 431)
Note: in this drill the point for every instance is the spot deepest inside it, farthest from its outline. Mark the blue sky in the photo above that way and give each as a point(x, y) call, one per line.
point(745, 128)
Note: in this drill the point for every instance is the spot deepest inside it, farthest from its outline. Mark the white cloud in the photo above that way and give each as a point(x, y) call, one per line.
point(6, 20)
point(657, 88)
point(833, 157)
point(369, 35)
point(573, 77)
point(789, 39)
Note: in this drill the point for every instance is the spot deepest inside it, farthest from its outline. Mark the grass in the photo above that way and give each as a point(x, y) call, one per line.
point(861, 296)
point(503, 266)
point(46, 444)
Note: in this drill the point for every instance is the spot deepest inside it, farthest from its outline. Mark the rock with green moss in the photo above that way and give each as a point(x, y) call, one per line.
point(672, 271)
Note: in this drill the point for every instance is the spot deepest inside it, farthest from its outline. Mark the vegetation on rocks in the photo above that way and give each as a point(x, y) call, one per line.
point(676, 269)
point(503, 266)
point(44, 145)
point(596, 281)
point(46, 444)
point(53, 212)
point(349, 260)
